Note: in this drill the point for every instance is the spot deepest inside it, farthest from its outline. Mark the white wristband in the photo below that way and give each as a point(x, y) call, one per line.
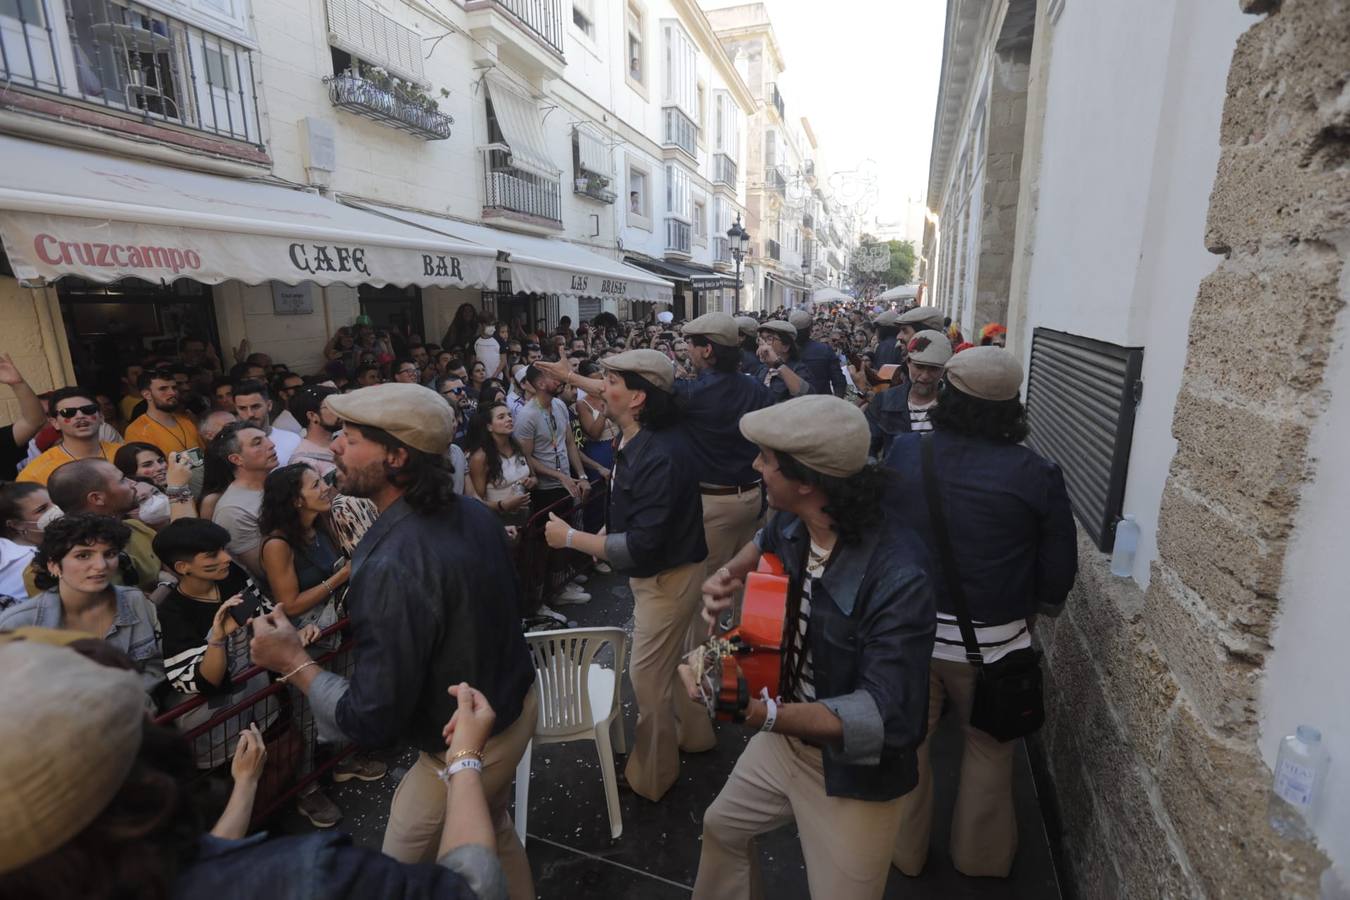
point(458, 766)
point(770, 710)
point(571, 532)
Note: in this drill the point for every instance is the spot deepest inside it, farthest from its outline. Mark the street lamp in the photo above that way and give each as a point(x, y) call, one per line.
point(739, 240)
point(806, 277)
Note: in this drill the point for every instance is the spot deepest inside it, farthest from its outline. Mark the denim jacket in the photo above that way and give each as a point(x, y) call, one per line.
point(871, 637)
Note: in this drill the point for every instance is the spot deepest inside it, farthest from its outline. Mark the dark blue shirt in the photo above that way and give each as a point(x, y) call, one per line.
point(827, 376)
point(654, 520)
point(712, 405)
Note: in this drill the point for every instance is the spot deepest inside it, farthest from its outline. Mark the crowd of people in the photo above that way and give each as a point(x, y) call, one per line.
point(205, 523)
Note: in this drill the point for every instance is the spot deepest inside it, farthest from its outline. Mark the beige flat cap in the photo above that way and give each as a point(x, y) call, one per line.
point(800, 318)
point(417, 416)
point(826, 434)
point(989, 373)
point(70, 730)
point(748, 325)
point(783, 329)
point(886, 319)
point(717, 327)
point(929, 348)
point(922, 317)
point(652, 365)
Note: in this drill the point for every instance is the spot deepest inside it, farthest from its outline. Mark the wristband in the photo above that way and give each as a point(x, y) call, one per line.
point(770, 710)
point(571, 532)
point(458, 766)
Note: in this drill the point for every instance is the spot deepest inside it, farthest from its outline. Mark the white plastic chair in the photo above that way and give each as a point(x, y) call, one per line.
point(578, 700)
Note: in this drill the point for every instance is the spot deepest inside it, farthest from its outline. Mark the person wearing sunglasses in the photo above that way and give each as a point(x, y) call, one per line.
point(74, 413)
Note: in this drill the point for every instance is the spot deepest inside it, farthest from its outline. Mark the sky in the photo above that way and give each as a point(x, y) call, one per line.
point(865, 73)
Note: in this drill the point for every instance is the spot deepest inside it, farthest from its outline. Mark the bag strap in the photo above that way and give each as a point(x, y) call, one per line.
point(938, 520)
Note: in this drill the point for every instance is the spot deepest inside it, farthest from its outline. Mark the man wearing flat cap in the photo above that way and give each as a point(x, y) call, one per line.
point(785, 375)
point(920, 318)
point(748, 327)
point(1014, 551)
point(836, 751)
point(827, 375)
point(654, 534)
point(890, 352)
point(906, 407)
point(433, 601)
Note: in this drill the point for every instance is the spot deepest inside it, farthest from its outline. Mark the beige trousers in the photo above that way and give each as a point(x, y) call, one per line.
point(417, 814)
point(729, 523)
point(668, 721)
point(847, 843)
point(984, 826)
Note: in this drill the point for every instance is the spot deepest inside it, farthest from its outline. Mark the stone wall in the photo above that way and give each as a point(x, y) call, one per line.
point(1002, 182)
point(1152, 735)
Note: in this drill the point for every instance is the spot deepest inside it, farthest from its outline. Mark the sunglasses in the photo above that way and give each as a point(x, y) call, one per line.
point(71, 412)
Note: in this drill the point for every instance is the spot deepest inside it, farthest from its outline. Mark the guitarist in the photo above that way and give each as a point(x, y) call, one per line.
point(837, 750)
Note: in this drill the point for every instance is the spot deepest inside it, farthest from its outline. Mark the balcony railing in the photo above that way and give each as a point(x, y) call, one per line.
point(386, 105)
point(541, 18)
point(724, 170)
point(776, 182)
point(681, 131)
point(594, 186)
point(129, 57)
point(722, 251)
point(776, 100)
point(773, 250)
point(506, 187)
point(678, 236)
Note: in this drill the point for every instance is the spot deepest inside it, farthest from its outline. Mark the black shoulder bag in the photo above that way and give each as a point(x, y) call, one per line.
point(1008, 701)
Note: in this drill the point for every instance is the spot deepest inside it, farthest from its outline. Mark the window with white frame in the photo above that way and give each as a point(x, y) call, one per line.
point(700, 212)
point(677, 191)
point(638, 200)
point(583, 17)
point(636, 70)
point(702, 102)
point(681, 68)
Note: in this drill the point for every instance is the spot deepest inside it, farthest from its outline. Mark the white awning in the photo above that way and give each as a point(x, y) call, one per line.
point(594, 154)
point(104, 218)
point(522, 126)
point(542, 265)
point(900, 292)
point(829, 295)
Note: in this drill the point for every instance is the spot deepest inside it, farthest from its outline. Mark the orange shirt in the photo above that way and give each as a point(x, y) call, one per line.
point(182, 436)
point(54, 457)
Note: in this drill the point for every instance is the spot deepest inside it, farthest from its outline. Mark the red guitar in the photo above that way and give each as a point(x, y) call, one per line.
point(732, 667)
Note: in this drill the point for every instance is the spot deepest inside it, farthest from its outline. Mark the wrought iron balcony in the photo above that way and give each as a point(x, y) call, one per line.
point(594, 186)
point(773, 250)
point(543, 19)
point(776, 182)
point(507, 188)
point(678, 236)
point(681, 131)
point(131, 58)
point(724, 170)
point(776, 101)
point(390, 104)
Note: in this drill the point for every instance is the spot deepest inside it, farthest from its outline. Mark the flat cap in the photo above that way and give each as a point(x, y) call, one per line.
point(929, 348)
point(923, 317)
point(56, 703)
point(826, 434)
point(652, 365)
point(800, 318)
point(717, 327)
point(416, 415)
point(989, 373)
point(886, 319)
point(783, 329)
point(748, 325)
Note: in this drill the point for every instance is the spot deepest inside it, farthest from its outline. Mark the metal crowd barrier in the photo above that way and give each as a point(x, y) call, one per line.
point(544, 571)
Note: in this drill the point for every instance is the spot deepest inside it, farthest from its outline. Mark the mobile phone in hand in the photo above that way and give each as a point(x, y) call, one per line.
point(252, 605)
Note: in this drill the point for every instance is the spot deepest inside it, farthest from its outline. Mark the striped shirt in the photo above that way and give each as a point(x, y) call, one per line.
point(918, 416)
point(996, 641)
point(805, 691)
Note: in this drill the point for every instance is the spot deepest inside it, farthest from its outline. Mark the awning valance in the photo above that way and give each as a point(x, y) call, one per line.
point(522, 127)
point(104, 218)
point(542, 265)
point(829, 295)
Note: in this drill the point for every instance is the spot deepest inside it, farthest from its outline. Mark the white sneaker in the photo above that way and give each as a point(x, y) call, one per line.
point(571, 595)
point(579, 579)
point(602, 567)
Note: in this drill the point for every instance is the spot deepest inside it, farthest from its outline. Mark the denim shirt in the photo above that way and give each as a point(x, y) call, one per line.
point(871, 636)
point(134, 631)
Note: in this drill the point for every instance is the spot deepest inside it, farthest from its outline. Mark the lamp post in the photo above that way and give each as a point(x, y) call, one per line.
point(806, 277)
point(739, 240)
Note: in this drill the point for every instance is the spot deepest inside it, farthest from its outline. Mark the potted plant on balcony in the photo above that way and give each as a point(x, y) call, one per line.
point(583, 183)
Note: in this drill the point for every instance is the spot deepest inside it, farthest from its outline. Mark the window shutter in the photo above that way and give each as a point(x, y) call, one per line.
point(365, 32)
point(1081, 398)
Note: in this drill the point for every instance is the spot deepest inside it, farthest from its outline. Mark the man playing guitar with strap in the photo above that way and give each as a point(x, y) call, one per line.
point(837, 749)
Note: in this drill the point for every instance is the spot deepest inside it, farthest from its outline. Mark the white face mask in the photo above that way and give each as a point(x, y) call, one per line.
point(153, 509)
point(47, 518)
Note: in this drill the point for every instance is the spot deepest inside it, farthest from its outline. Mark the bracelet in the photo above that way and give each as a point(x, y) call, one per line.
point(296, 671)
point(570, 533)
point(178, 492)
point(770, 710)
point(459, 766)
point(461, 754)
point(328, 587)
point(219, 643)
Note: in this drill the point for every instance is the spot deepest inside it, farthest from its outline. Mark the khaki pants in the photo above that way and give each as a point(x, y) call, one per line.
point(847, 843)
point(417, 814)
point(984, 826)
point(668, 721)
point(729, 523)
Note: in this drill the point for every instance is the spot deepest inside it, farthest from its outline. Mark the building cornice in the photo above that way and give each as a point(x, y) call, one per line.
point(960, 58)
point(696, 20)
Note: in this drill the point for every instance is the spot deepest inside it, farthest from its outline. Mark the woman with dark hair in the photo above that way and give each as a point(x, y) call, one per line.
point(140, 461)
point(217, 473)
point(25, 510)
point(478, 376)
point(464, 329)
point(131, 818)
point(73, 568)
point(303, 566)
point(654, 534)
point(499, 474)
point(172, 496)
point(492, 391)
point(785, 375)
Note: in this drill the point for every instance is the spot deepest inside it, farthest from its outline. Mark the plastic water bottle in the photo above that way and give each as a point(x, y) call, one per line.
point(1299, 771)
point(1127, 541)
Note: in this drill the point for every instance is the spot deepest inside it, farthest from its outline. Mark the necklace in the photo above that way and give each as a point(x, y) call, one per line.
point(62, 445)
point(180, 434)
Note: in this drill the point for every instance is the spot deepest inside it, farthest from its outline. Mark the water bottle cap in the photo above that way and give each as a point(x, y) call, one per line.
point(1308, 734)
